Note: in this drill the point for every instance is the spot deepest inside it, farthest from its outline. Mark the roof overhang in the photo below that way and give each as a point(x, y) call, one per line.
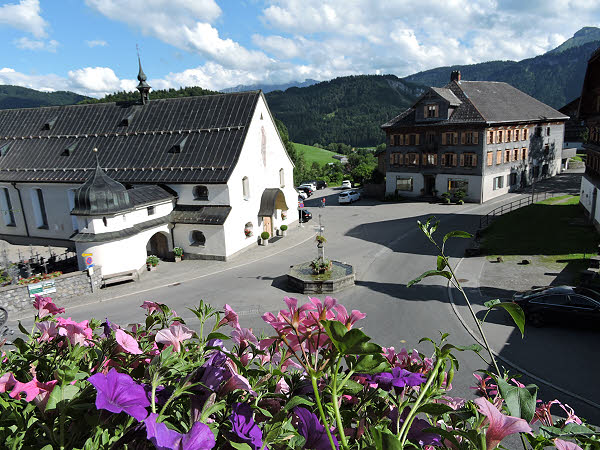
point(271, 200)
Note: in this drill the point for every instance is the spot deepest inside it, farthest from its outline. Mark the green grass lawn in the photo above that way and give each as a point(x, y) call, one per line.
point(312, 154)
point(546, 228)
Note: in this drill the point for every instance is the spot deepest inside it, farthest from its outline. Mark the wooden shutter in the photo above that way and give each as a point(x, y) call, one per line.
point(425, 110)
point(462, 137)
point(524, 153)
point(435, 159)
point(490, 158)
point(400, 139)
point(454, 159)
point(506, 137)
point(443, 138)
point(437, 110)
point(499, 157)
point(455, 138)
point(475, 137)
point(391, 158)
point(416, 159)
point(417, 139)
point(400, 159)
point(462, 159)
point(474, 163)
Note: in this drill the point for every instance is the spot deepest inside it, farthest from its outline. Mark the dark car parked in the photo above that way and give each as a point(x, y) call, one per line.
point(560, 304)
point(320, 184)
point(306, 215)
point(308, 190)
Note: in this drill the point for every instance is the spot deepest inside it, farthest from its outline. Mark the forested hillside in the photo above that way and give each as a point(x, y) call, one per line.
point(346, 109)
point(158, 94)
point(20, 97)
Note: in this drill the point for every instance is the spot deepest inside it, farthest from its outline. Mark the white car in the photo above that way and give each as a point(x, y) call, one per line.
point(348, 197)
point(346, 184)
point(302, 194)
point(312, 186)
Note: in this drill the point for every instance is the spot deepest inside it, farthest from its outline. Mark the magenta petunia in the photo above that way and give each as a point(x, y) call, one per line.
point(198, 438)
point(231, 318)
point(500, 425)
point(117, 392)
point(46, 306)
point(174, 335)
point(127, 343)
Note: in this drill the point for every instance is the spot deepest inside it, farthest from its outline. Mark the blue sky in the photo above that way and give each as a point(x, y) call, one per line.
point(89, 46)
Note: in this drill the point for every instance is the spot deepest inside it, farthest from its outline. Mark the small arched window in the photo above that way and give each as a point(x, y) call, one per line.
point(197, 238)
point(200, 193)
point(246, 188)
point(281, 178)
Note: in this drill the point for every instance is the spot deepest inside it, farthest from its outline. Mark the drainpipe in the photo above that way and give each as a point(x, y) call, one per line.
point(22, 209)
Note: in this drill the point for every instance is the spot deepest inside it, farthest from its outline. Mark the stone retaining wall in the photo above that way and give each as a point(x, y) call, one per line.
point(15, 299)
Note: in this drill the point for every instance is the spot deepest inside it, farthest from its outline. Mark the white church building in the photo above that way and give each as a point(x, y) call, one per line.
point(206, 173)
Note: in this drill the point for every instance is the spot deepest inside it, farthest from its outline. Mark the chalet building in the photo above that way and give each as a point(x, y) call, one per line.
point(484, 137)
point(206, 173)
point(589, 112)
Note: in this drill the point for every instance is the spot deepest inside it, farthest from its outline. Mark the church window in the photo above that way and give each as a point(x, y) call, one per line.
point(200, 192)
point(245, 188)
point(197, 238)
point(39, 208)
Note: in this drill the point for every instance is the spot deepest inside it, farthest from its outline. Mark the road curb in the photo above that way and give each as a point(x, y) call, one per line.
point(506, 361)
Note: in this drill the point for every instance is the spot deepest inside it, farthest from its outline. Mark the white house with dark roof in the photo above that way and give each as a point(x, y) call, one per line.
point(484, 137)
point(201, 173)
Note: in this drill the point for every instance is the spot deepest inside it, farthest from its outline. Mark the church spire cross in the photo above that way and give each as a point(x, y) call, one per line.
point(143, 87)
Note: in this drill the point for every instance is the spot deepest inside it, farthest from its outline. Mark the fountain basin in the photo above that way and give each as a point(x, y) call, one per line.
point(302, 279)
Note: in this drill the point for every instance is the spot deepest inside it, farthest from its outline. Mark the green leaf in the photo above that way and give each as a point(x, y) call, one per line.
point(297, 401)
point(353, 387)
point(237, 446)
point(435, 409)
point(385, 440)
point(430, 273)
point(356, 342)
point(441, 263)
point(445, 434)
point(60, 394)
point(515, 311)
point(336, 331)
point(492, 303)
point(371, 364)
point(22, 329)
point(217, 335)
point(519, 401)
point(458, 234)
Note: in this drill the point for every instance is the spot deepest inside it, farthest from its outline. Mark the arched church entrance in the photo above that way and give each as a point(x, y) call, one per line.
point(158, 245)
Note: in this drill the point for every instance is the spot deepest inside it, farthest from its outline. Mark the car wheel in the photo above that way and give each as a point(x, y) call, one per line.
point(536, 320)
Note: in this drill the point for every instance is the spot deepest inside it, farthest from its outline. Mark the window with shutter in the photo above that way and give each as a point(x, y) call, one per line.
point(499, 157)
point(525, 134)
point(455, 138)
point(524, 153)
point(474, 160)
point(417, 139)
point(507, 156)
point(392, 158)
point(490, 137)
point(463, 137)
point(462, 159)
point(500, 136)
point(490, 158)
point(443, 138)
point(475, 137)
point(454, 159)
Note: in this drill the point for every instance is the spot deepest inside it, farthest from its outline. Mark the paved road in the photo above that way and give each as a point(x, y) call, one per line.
point(384, 244)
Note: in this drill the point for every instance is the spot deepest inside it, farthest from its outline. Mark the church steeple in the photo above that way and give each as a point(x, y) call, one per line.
point(143, 87)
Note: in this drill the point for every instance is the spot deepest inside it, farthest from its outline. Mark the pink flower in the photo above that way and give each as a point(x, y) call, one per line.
point(453, 402)
point(76, 332)
point(231, 318)
point(566, 445)
point(48, 330)
point(500, 425)
point(282, 387)
point(348, 320)
point(46, 306)
point(174, 335)
point(7, 382)
point(30, 389)
point(242, 336)
point(127, 343)
point(45, 389)
point(150, 307)
point(484, 387)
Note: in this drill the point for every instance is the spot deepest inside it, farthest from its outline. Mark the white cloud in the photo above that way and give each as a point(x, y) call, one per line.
point(98, 81)
point(24, 43)
point(277, 45)
point(96, 43)
point(24, 16)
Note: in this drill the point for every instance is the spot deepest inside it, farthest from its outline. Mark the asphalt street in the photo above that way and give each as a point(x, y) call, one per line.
point(387, 249)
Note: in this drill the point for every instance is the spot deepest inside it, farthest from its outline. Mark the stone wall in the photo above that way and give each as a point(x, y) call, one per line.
point(16, 300)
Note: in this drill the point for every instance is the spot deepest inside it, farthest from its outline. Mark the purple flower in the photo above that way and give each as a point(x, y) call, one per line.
point(198, 438)
point(212, 374)
point(244, 427)
point(312, 430)
point(117, 392)
point(415, 434)
point(399, 378)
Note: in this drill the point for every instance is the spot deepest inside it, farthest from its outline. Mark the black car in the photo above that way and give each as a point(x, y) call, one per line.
point(308, 190)
point(320, 184)
point(305, 215)
point(560, 304)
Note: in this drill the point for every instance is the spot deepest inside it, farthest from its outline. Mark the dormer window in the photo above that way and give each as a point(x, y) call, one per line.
point(431, 111)
point(200, 192)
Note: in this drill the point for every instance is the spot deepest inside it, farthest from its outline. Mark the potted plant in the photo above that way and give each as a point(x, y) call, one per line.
point(248, 232)
point(283, 215)
point(264, 238)
point(459, 195)
point(446, 197)
point(178, 252)
point(320, 240)
point(320, 265)
point(151, 262)
point(284, 230)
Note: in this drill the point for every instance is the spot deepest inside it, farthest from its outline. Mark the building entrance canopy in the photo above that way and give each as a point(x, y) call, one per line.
point(271, 200)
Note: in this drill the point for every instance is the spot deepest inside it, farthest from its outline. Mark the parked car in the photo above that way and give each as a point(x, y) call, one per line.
point(348, 197)
point(309, 184)
point(320, 184)
point(346, 184)
point(560, 304)
point(306, 215)
point(303, 195)
point(308, 191)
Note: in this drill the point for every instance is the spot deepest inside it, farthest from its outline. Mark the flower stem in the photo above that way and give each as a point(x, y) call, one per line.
point(413, 411)
point(336, 409)
point(313, 379)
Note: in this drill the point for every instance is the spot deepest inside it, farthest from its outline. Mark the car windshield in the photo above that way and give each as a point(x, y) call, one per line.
point(344, 194)
point(587, 292)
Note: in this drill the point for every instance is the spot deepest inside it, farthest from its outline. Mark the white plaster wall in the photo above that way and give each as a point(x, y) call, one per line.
point(60, 225)
point(214, 234)
point(418, 183)
point(260, 177)
point(488, 185)
point(218, 194)
point(121, 255)
point(116, 222)
point(586, 194)
point(473, 188)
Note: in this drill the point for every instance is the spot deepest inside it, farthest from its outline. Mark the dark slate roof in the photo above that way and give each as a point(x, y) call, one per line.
point(179, 140)
point(485, 102)
point(101, 195)
point(114, 235)
point(146, 195)
point(205, 215)
point(448, 95)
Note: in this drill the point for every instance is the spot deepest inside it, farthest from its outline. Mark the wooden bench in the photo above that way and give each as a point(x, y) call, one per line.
point(131, 275)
